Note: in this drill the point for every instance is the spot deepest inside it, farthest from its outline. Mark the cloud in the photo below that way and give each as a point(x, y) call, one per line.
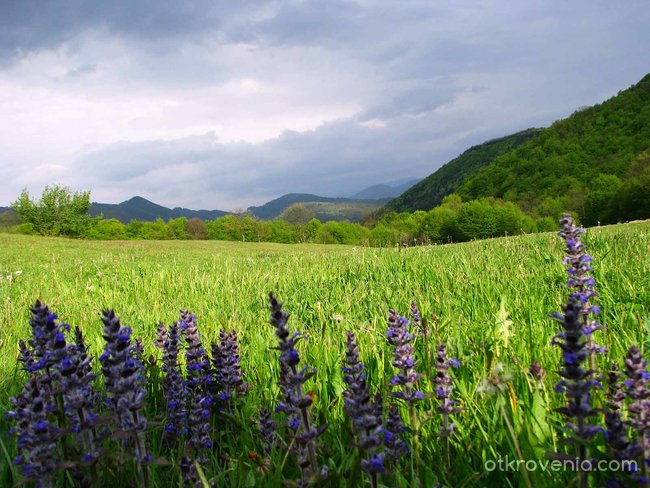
point(221, 104)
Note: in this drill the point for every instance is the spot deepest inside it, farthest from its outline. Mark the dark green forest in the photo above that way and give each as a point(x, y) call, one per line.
point(429, 192)
point(595, 163)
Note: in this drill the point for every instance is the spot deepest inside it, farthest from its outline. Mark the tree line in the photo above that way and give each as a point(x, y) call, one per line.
point(60, 212)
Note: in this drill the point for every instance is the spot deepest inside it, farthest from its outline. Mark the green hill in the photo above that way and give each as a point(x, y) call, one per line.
point(429, 192)
point(324, 208)
point(595, 163)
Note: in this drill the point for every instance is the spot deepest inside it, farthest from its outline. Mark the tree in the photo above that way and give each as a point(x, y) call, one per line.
point(155, 231)
point(282, 231)
point(196, 228)
point(312, 229)
point(58, 212)
point(599, 205)
point(108, 229)
point(177, 229)
point(297, 214)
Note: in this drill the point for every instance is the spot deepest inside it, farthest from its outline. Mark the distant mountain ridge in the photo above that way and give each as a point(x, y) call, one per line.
point(138, 208)
point(274, 208)
point(385, 190)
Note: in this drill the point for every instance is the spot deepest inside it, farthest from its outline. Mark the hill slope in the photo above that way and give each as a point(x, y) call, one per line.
point(274, 208)
point(138, 208)
point(595, 163)
point(429, 192)
point(377, 192)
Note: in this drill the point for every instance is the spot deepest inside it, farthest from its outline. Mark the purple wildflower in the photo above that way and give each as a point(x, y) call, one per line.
point(174, 387)
point(27, 357)
point(359, 406)
point(415, 313)
point(267, 430)
point(228, 374)
point(80, 399)
point(616, 430)
point(578, 267)
point(444, 387)
point(161, 336)
point(125, 384)
point(47, 347)
point(199, 381)
point(576, 382)
point(36, 436)
point(296, 403)
point(403, 360)
point(394, 445)
point(636, 388)
point(190, 474)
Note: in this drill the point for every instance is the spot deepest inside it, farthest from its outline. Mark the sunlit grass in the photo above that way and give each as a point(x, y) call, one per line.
point(331, 289)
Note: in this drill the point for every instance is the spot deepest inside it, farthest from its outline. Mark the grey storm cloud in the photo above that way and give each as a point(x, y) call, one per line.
point(39, 24)
point(222, 104)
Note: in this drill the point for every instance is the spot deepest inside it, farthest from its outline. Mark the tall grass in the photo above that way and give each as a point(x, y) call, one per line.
point(490, 302)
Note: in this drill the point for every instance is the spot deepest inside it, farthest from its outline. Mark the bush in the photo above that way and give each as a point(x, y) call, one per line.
point(58, 212)
point(26, 228)
point(108, 229)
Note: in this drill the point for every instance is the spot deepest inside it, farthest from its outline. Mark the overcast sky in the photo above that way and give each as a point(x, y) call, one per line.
point(226, 104)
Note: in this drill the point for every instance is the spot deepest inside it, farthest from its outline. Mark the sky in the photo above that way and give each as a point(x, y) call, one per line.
point(221, 104)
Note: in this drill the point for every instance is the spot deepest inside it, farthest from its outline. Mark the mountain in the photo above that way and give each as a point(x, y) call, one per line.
point(138, 208)
point(328, 208)
point(385, 190)
point(8, 218)
point(429, 192)
point(595, 163)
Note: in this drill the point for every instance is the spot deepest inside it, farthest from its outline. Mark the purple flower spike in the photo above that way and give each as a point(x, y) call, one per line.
point(415, 313)
point(174, 387)
point(36, 436)
point(124, 383)
point(576, 382)
point(48, 346)
point(637, 390)
point(394, 445)
point(365, 413)
point(580, 281)
point(228, 375)
point(296, 404)
point(80, 399)
point(268, 428)
point(198, 384)
point(403, 360)
point(444, 388)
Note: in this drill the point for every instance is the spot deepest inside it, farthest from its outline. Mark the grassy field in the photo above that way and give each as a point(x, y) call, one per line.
point(330, 290)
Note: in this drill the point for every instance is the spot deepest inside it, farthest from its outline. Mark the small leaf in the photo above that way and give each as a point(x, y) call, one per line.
point(502, 331)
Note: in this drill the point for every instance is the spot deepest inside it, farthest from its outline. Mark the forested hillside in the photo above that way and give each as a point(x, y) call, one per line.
point(595, 163)
point(429, 192)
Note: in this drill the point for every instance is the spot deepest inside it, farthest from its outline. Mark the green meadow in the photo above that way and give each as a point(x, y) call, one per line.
point(489, 301)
